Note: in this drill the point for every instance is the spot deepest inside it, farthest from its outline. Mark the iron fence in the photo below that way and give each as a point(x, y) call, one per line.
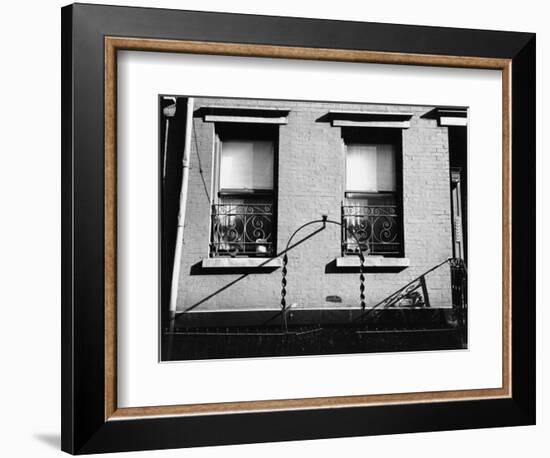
point(242, 229)
point(376, 228)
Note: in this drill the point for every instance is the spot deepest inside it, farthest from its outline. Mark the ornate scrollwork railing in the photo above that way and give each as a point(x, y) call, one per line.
point(375, 227)
point(242, 230)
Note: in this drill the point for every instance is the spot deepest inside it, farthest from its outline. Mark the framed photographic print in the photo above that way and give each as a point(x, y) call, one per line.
point(271, 222)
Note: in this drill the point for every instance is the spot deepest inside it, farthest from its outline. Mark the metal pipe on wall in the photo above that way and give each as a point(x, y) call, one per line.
point(182, 208)
point(169, 112)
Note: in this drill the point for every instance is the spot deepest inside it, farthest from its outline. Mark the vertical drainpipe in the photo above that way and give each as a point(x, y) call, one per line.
point(169, 112)
point(182, 209)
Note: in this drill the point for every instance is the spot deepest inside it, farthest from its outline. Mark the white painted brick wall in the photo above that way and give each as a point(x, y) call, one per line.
point(310, 183)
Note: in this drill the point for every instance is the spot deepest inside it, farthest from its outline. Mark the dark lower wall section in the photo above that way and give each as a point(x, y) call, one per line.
point(389, 318)
point(218, 335)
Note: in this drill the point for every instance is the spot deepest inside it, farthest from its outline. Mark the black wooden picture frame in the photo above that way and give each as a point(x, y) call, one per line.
point(87, 424)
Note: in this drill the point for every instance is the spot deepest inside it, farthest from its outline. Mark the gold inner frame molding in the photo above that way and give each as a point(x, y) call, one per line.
point(114, 44)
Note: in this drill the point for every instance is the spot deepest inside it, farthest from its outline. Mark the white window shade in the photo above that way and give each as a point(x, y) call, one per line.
point(370, 168)
point(246, 164)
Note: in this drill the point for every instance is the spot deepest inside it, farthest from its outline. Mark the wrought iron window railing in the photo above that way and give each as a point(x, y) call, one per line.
point(376, 228)
point(242, 229)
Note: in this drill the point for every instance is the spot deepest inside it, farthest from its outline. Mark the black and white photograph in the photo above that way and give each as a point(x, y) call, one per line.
point(295, 227)
point(274, 229)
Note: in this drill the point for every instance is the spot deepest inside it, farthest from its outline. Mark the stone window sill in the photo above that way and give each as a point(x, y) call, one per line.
point(241, 263)
point(372, 261)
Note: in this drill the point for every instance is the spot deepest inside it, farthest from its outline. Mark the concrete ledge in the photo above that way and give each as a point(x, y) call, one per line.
point(359, 118)
point(372, 261)
point(241, 263)
point(246, 119)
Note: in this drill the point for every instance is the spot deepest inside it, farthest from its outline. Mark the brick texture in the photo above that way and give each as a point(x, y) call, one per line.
point(311, 165)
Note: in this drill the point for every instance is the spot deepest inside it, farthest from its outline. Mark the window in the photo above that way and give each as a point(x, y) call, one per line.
point(371, 208)
point(246, 166)
point(370, 168)
point(243, 209)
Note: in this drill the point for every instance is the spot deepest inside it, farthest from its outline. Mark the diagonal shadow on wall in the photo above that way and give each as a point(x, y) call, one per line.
point(197, 269)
